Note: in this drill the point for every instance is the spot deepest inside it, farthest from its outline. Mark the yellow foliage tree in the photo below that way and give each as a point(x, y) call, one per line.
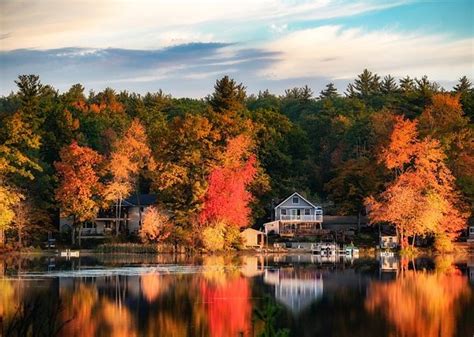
point(130, 155)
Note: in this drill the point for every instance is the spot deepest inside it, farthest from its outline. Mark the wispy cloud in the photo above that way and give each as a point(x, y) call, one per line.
point(97, 68)
point(152, 24)
point(336, 52)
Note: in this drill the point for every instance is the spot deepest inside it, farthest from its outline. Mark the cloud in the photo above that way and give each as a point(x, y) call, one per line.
point(132, 68)
point(147, 24)
point(335, 52)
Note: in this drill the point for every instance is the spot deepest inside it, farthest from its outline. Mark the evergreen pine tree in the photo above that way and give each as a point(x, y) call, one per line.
point(329, 92)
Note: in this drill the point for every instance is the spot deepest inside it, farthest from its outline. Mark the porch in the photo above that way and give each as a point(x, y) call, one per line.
point(301, 217)
point(297, 228)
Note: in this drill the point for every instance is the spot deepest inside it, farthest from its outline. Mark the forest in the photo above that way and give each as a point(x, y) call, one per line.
point(400, 151)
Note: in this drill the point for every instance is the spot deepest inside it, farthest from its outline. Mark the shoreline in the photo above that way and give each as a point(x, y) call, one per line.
point(461, 249)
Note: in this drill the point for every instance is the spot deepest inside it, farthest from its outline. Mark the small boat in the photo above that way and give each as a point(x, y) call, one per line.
point(324, 249)
point(69, 253)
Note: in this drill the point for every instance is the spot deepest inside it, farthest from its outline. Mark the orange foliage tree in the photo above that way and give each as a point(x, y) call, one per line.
point(155, 227)
point(79, 188)
point(227, 198)
point(130, 154)
point(422, 198)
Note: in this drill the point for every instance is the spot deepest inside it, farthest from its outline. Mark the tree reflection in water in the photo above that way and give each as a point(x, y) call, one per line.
point(233, 297)
point(419, 303)
point(226, 296)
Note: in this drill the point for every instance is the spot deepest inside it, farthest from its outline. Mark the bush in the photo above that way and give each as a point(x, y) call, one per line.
point(156, 226)
point(221, 236)
point(213, 237)
point(443, 243)
point(232, 238)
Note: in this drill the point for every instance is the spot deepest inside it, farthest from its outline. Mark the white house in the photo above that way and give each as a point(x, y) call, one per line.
point(388, 241)
point(295, 216)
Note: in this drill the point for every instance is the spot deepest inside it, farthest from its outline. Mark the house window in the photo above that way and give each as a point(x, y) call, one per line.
point(471, 230)
point(296, 200)
point(307, 211)
point(283, 212)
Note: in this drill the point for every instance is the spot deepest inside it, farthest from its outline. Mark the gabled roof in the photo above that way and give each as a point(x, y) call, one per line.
point(299, 195)
point(250, 229)
point(141, 200)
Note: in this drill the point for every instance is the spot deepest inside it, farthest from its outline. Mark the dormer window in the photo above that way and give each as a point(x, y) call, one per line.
point(296, 200)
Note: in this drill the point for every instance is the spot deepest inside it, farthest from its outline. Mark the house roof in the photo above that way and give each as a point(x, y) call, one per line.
point(299, 195)
point(141, 200)
point(252, 230)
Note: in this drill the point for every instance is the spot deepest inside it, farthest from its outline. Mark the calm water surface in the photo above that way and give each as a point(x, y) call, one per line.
point(246, 296)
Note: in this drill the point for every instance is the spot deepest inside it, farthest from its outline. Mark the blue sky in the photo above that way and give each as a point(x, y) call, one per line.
point(182, 46)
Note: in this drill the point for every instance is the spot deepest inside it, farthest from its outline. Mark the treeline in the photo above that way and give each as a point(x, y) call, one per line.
point(222, 162)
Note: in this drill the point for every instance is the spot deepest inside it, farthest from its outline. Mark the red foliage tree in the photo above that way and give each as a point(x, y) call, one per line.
point(228, 307)
point(227, 198)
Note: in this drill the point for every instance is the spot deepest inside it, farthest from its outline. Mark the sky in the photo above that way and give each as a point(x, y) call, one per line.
point(182, 47)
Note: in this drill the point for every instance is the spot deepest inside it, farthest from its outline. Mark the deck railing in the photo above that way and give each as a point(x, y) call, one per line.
point(293, 217)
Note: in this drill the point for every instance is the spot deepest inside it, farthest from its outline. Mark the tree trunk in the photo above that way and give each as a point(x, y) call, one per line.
point(73, 231)
point(413, 241)
point(80, 234)
point(358, 221)
point(116, 216)
point(119, 216)
point(20, 235)
point(2, 237)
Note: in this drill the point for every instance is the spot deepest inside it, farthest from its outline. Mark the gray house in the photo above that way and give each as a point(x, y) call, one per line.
point(295, 216)
point(106, 221)
point(470, 237)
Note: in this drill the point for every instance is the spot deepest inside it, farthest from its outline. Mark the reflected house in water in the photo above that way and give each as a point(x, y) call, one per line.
point(105, 222)
point(252, 266)
point(295, 288)
point(295, 216)
point(470, 267)
point(389, 264)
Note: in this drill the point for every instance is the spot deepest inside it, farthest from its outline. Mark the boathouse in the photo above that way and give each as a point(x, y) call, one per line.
point(252, 238)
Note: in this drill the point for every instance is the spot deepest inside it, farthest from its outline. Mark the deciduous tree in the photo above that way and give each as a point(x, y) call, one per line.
point(79, 191)
point(422, 198)
point(130, 155)
point(156, 225)
point(227, 198)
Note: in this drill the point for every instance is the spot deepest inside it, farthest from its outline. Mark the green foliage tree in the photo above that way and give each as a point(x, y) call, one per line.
point(329, 91)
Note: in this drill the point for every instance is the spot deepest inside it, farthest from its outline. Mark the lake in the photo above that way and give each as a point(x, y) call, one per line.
point(225, 296)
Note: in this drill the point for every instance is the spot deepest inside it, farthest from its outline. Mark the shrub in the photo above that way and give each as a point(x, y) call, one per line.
point(156, 226)
point(213, 237)
point(443, 243)
point(232, 238)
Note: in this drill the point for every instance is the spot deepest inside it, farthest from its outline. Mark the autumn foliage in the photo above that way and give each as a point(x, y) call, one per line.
point(156, 225)
point(79, 189)
point(420, 304)
point(227, 198)
point(422, 198)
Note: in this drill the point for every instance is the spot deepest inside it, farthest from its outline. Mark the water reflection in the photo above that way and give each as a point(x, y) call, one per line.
point(246, 296)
